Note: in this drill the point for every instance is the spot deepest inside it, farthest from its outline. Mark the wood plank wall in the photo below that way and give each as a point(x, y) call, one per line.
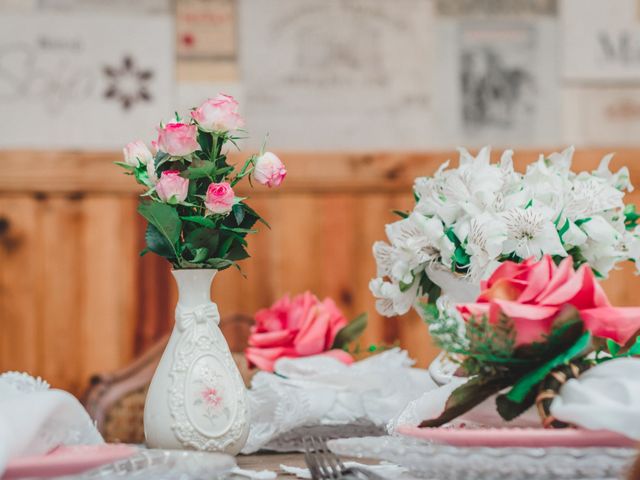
point(75, 298)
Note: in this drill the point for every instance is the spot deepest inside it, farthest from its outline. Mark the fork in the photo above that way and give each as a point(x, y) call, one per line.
point(323, 464)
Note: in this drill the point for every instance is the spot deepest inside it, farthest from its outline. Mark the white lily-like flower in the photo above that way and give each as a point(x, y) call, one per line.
point(385, 256)
point(620, 180)
point(423, 237)
point(391, 300)
point(530, 233)
point(473, 216)
point(601, 231)
point(484, 243)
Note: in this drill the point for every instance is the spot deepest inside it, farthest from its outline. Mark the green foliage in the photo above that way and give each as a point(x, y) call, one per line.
point(350, 332)
point(186, 233)
point(630, 217)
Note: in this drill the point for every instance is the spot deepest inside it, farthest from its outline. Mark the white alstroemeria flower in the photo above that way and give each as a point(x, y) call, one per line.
point(390, 300)
point(601, 231)
point(620, 180)
point(561, 162)
point(385, 256)
point(422, 237)
point(530, 233)
point(572, 236)
point(484, 243)
point(588, 195)
point(545, 185)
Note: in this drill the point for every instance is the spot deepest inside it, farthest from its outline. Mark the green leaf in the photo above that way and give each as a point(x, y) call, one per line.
point(164, 218)
point(236, 253)
point(251, 211)
point(200, 169)
point(350, 332)
point(237, 229)
point(467, 396)
point(613, 347)
point(204, 221)
point(205, 141)
point(200, 255)
point(524, 385)
point(238, 213)
point(204, 238)
point(226, 246)
point(219, 263)
point(158, 243)
point(509, 410)
point(400, 213)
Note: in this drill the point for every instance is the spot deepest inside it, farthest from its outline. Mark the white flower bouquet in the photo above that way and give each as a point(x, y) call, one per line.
point(469, 219)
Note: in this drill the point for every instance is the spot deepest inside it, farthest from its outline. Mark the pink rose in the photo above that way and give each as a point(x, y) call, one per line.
point(171, 187)
point(296, 327)
point(136, 153)
point(220, 198)
point(269, 170)
point(218, 114)
point(178, 139)
point(532, 294)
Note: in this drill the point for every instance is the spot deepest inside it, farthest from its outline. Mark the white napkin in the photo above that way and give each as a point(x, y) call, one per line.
point(35, 419)
point(320, 390)
point(606, 397)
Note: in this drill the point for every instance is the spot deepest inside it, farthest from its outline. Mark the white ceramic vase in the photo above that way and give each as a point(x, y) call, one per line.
point(197, 399)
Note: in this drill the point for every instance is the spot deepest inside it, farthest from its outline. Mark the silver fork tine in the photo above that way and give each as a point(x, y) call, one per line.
point(325, 469)
point(310, 459)
point(331, 459)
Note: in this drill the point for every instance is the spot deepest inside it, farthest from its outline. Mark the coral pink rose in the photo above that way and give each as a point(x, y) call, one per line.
point(178, 139)
point(219, 198)
point(171, 187)
point(269, 170)
point(136, 153)
point(218, 114)
point(533, 293)
point(295, 327)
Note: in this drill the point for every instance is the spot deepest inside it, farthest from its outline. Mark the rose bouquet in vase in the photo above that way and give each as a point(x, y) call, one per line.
point(196, 221)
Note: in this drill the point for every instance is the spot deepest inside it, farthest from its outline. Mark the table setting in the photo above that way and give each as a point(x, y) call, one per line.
point(538, 374)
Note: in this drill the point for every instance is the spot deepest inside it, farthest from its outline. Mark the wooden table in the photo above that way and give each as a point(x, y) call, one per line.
point(271, 461)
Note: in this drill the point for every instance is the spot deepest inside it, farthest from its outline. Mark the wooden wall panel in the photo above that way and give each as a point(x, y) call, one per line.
point(75, 297)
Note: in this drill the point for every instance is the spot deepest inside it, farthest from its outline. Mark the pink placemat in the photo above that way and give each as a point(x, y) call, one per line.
point(67, 460)
point(518, 437)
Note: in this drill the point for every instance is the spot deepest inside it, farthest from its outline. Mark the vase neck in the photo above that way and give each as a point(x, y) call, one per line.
point(194, 286)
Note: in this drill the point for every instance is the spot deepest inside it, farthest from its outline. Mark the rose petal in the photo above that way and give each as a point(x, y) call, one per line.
point(561, 276)
point(539, 275)
point(619, 324)
point(340, 355)
point(311, 337)
point(271, 339)
point(504, 289)
point(265, 358)
point(530, 322)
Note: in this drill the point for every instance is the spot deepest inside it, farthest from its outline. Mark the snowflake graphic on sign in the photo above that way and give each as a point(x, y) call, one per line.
point(128, 83)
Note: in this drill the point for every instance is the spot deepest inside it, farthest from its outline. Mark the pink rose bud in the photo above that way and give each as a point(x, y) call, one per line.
point(219, 198)
point(178, 139)
point(269, 170)
point(171, 187)
point(136, 153)
point(218, 114)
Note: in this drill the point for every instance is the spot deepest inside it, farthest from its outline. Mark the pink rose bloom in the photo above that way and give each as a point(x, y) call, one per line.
point(295, 327)
point(532, 294)
point(269, 170)
point(178, 139)
point(218, 114)
point(136, 153)
point(172, 188)
point(219, 198)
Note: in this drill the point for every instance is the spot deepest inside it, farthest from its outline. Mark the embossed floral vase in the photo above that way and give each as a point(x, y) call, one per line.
point(197, 399)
